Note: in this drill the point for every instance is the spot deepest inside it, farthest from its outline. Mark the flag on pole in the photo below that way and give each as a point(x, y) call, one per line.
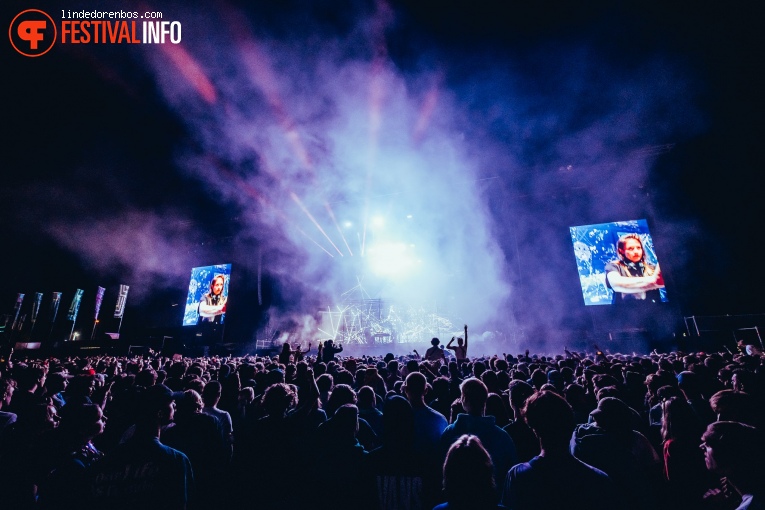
point(36, 306)
point(54, 302)
point(17, 309)
point(119, 311)
point(99, 300)
point(75, 306)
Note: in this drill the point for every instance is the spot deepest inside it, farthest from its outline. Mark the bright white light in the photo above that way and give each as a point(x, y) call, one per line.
point(391, 259)
point(347, 224)
point(409, 216)
point(378, 221)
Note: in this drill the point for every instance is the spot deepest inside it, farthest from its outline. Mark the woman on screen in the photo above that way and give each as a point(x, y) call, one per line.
point(213, 304)
point(631, 277)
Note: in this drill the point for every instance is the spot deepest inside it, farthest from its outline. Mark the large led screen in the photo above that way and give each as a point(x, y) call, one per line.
point(617, 263)
point(208, 295)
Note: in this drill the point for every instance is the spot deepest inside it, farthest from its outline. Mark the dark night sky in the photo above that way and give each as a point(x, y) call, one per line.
point(92, 133)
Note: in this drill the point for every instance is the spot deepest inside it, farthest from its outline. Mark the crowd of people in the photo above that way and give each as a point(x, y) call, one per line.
point(297, 430)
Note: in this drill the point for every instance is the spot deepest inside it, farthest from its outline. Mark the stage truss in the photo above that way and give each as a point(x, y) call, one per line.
point(364, 321)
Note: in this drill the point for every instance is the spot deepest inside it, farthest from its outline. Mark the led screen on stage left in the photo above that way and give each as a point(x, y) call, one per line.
point(207, 299)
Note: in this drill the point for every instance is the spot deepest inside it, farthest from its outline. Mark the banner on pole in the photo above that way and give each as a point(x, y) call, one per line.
point(54, 302)
point(99, 300)
point(75, 306)
point(17, 309)
point(119, 311)
point(36, 306)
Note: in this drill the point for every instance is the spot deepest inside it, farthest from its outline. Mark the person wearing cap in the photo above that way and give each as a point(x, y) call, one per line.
point(142, 472)
point(690, 384)
point(625, 455)
point(80, 389)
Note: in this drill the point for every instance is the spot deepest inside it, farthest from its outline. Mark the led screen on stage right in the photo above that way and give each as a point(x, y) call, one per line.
point(617, 263)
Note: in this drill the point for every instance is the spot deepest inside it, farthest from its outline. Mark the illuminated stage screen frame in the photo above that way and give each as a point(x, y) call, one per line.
point(595, 247)
point(199, 285)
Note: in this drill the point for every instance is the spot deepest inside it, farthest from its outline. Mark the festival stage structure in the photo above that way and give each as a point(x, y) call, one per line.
point(361, 320)
point(372, 321)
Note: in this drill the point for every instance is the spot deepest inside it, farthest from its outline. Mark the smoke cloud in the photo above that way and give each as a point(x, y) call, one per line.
point(348, 171)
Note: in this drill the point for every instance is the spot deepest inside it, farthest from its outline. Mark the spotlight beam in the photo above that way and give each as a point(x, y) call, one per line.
point(261, 72)
point(310, 216)
point(339, 230)
point(250, 190)
point(262, 75)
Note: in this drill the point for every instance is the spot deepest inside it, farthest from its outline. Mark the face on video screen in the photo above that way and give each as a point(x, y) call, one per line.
point(208, 295)
point(216, 287)
point(633, 250)
point(617, 263)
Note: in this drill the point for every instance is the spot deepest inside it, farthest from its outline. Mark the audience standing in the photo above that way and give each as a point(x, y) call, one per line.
point(285, 432)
